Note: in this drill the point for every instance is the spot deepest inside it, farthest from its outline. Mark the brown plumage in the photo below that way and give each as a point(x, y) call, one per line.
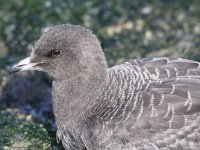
point(151, 103)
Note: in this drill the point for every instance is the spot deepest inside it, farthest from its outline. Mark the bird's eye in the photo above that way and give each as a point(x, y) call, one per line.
point(55, 52)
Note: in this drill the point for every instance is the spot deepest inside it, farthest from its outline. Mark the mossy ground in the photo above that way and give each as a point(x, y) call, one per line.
point(24, 135)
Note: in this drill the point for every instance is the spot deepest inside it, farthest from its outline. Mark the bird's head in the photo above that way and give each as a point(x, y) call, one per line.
point(65, 51)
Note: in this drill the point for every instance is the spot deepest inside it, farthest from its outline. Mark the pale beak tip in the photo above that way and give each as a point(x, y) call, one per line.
point(13, 69)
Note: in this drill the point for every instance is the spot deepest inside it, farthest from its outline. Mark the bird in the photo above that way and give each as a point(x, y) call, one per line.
point(141, 104)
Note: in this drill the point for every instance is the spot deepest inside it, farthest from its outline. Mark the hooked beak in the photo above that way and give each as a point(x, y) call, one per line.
point(24, 64)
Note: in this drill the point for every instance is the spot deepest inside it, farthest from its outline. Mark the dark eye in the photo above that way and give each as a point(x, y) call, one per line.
point(55, 52)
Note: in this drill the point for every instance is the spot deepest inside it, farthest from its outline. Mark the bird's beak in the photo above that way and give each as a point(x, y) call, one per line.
point(24, 64)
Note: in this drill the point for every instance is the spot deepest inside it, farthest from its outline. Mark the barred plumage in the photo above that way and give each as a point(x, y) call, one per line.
point(151, 103)
point(145, 103)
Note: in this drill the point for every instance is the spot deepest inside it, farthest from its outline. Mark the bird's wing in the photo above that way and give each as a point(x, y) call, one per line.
point(165, 105)
point(172, 91)
point(169, 100)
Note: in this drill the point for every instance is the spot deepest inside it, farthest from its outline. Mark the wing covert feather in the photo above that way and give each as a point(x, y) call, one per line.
point(171, 99)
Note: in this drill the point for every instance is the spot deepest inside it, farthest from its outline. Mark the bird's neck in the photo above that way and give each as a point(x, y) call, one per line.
point(71, 97)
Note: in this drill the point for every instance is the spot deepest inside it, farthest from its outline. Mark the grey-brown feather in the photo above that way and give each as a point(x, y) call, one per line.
point(146, 104)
